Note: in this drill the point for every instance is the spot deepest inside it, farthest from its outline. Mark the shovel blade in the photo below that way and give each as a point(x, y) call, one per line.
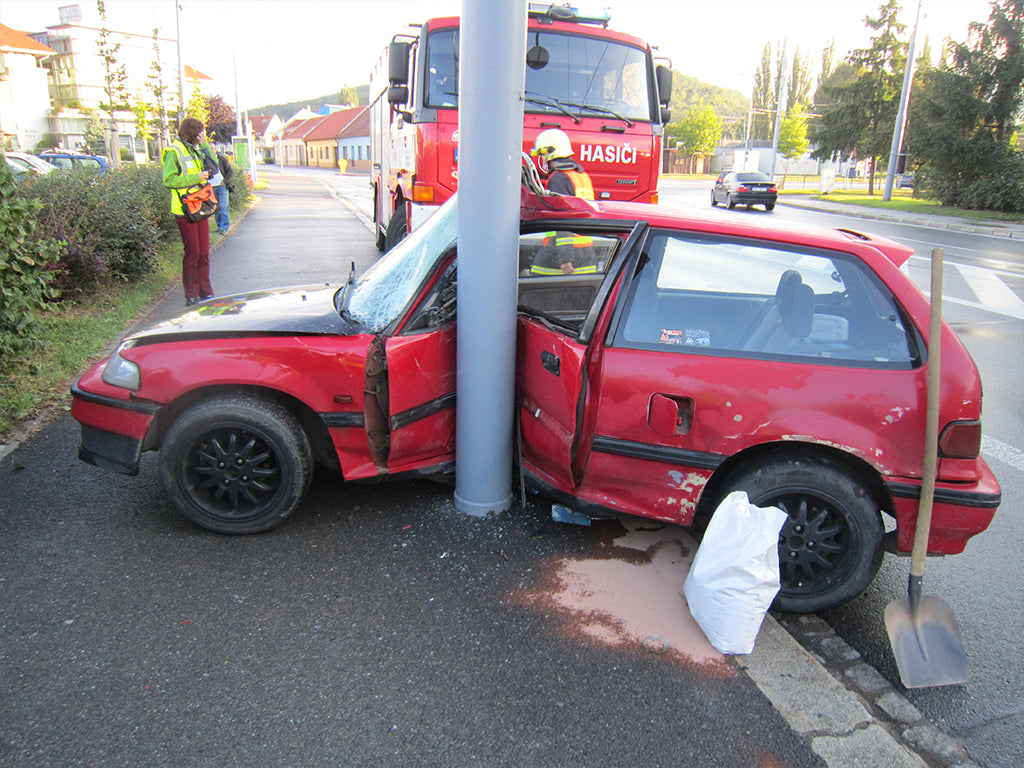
point(926, 643)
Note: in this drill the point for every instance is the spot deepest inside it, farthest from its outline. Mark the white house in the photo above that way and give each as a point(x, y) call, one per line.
point(24, 99)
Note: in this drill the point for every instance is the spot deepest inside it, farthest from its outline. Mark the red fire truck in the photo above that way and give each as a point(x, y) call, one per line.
point(601, 87)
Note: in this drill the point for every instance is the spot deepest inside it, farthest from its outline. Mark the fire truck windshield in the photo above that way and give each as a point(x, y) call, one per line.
point(577, 75)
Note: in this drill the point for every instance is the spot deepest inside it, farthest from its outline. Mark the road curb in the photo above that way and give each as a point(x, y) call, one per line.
point(1008, 231)
point(848, 713)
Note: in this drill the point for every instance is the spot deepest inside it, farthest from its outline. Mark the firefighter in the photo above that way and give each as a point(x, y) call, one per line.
point(565, 175)
point(565, 253)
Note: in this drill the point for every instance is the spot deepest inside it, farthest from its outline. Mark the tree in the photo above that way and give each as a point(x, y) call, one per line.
point(698, 133)
point(156, 87)
point(222, 124)
point(762, 100)
point(197, 105)
point(793, 140)
point(115, 85)
point(800, 81)
point(965, 114)
point(347, 94)
point(862, 113)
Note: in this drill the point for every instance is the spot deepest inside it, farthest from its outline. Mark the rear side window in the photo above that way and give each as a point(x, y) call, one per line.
point(709, 295)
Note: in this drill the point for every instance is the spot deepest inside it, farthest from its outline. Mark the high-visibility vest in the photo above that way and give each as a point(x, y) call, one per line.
point(582, 184)
point(189, 164)
point(565, 240)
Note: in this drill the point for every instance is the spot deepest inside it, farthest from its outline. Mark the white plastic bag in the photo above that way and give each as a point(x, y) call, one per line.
point(735, 573)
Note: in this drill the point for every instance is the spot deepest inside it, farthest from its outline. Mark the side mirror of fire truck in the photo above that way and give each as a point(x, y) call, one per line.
point(398, 63)
point(398, 94)
point(664, 76)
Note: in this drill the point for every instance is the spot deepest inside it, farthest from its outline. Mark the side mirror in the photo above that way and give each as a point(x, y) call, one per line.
point(664, 77)
point(398, 63)
point(666, 115)
point(398, 94)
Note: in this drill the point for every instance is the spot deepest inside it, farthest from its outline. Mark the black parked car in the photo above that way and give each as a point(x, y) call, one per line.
point(744, 188)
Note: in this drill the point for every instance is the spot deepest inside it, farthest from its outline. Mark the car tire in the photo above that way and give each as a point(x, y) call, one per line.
point(729, 202)
point(769, 206)
point(397, 228)
point(714, 202)
point(830, 548)
point(236, 464)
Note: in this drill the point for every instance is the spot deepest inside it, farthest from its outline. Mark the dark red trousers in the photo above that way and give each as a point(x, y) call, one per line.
point(195, 264)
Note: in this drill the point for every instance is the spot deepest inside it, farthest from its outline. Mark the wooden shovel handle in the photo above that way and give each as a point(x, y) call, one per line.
point(931, 430)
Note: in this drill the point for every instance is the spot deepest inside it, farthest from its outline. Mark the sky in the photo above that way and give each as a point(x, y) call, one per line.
point(290, 50)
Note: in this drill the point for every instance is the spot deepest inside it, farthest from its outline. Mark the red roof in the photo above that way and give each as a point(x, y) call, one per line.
point(301, 129)
point(260, 123)
point(333, 124)
point(194, 74)
point(13, 41)
point(360, 125)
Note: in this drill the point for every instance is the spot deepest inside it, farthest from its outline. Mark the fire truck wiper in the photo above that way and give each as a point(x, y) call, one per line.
point(544, 101)
point(603, 111)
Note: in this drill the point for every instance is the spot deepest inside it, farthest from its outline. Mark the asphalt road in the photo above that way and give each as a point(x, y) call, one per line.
point(376, 627)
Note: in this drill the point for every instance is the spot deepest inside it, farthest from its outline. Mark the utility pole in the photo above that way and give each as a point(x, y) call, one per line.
point(778, 108)
point(901, 115)
point(492, 51)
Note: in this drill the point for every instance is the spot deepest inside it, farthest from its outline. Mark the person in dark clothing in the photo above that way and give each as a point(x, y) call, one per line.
point(565, 175)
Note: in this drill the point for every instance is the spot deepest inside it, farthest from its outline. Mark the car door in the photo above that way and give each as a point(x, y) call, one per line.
point(561, 318)
point(410, 386)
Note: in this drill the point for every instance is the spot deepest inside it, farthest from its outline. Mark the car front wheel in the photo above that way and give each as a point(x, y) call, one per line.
point(236, 464)
point(831, 545)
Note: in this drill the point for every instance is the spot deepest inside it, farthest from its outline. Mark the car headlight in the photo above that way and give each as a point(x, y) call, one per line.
point(122, 373)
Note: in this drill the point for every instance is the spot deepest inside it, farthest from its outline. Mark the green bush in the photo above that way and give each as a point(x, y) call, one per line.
point(26, 268)
point(111, 224)
point(1000, 190)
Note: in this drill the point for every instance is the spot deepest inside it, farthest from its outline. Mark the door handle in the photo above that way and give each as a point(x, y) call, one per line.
point(551, 363)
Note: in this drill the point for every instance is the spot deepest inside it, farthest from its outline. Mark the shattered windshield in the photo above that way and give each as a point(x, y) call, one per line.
point(386, 289)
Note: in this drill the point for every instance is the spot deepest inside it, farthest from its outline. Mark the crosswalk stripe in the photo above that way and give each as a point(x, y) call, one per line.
point(992, 292)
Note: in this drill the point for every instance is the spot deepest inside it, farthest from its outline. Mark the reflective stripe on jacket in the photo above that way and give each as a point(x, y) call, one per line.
point(181, 169)
point(561, 242)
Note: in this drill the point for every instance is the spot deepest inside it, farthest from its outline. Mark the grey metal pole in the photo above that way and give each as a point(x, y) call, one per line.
point(181, 64)
point(492, 73)
point(778, 108)
point(897, 131)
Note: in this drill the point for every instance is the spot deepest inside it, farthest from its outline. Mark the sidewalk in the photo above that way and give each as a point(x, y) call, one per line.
point(1005, 229)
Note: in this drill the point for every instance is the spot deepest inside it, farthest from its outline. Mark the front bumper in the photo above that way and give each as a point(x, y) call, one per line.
point(114, 427)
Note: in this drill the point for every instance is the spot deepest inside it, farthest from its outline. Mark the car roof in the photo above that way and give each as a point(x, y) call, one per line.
point(713, 222)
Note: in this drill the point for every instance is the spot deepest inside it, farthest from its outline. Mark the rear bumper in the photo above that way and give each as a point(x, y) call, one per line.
point(754, 198)
point(113, 429)
point(959, 511)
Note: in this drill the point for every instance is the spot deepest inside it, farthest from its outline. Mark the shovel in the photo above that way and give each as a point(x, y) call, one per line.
point(924, 635)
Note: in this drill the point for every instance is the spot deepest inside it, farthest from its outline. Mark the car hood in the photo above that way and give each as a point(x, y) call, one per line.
point(301, 310)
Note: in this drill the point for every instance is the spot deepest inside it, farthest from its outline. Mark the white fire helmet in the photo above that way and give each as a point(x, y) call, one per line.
point(549, 145)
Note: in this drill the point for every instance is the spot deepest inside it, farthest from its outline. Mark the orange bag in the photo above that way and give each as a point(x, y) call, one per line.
point(199, 204)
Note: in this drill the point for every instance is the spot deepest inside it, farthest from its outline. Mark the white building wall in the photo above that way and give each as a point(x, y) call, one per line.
point(24, 100)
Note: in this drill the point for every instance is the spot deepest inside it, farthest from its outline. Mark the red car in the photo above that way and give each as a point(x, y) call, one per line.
point(664, 361)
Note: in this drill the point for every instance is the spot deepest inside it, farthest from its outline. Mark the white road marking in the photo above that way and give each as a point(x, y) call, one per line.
point(1004, 452)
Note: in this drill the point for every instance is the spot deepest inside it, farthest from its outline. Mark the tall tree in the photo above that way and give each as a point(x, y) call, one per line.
point(698, 133)
point(966, 112)
point(862, 114)
point(348, 95)
point(762, 102)
point(115, 85)
point(158, 91)
point(801, 78)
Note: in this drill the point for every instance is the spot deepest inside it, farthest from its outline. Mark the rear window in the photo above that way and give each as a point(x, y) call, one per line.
point(746, 298)
point(752, 177)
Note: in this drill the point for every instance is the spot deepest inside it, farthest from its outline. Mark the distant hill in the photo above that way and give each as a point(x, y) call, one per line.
point(286, 110)
point(687, 92)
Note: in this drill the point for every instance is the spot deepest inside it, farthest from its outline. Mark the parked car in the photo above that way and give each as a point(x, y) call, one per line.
point(905, 181)
point(689, 358)
point(747, 188)
point(73, 160)
point(27, 163)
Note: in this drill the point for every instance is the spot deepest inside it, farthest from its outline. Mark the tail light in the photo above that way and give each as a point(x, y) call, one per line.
point(742, 188)
point(960, 440)
point(774, 189)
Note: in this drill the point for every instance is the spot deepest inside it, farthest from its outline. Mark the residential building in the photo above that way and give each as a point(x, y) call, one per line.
point(264, 129)
point(291, 148)
point(24, 103)
point(322, 142)
point(354, 144)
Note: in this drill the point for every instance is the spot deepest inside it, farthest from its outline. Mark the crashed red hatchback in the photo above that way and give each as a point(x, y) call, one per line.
point(663, 362)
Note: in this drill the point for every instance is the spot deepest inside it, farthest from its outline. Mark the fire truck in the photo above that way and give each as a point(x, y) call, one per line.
point(602, 87)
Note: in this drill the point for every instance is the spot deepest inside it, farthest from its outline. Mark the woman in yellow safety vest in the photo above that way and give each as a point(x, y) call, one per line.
point(183, 168)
